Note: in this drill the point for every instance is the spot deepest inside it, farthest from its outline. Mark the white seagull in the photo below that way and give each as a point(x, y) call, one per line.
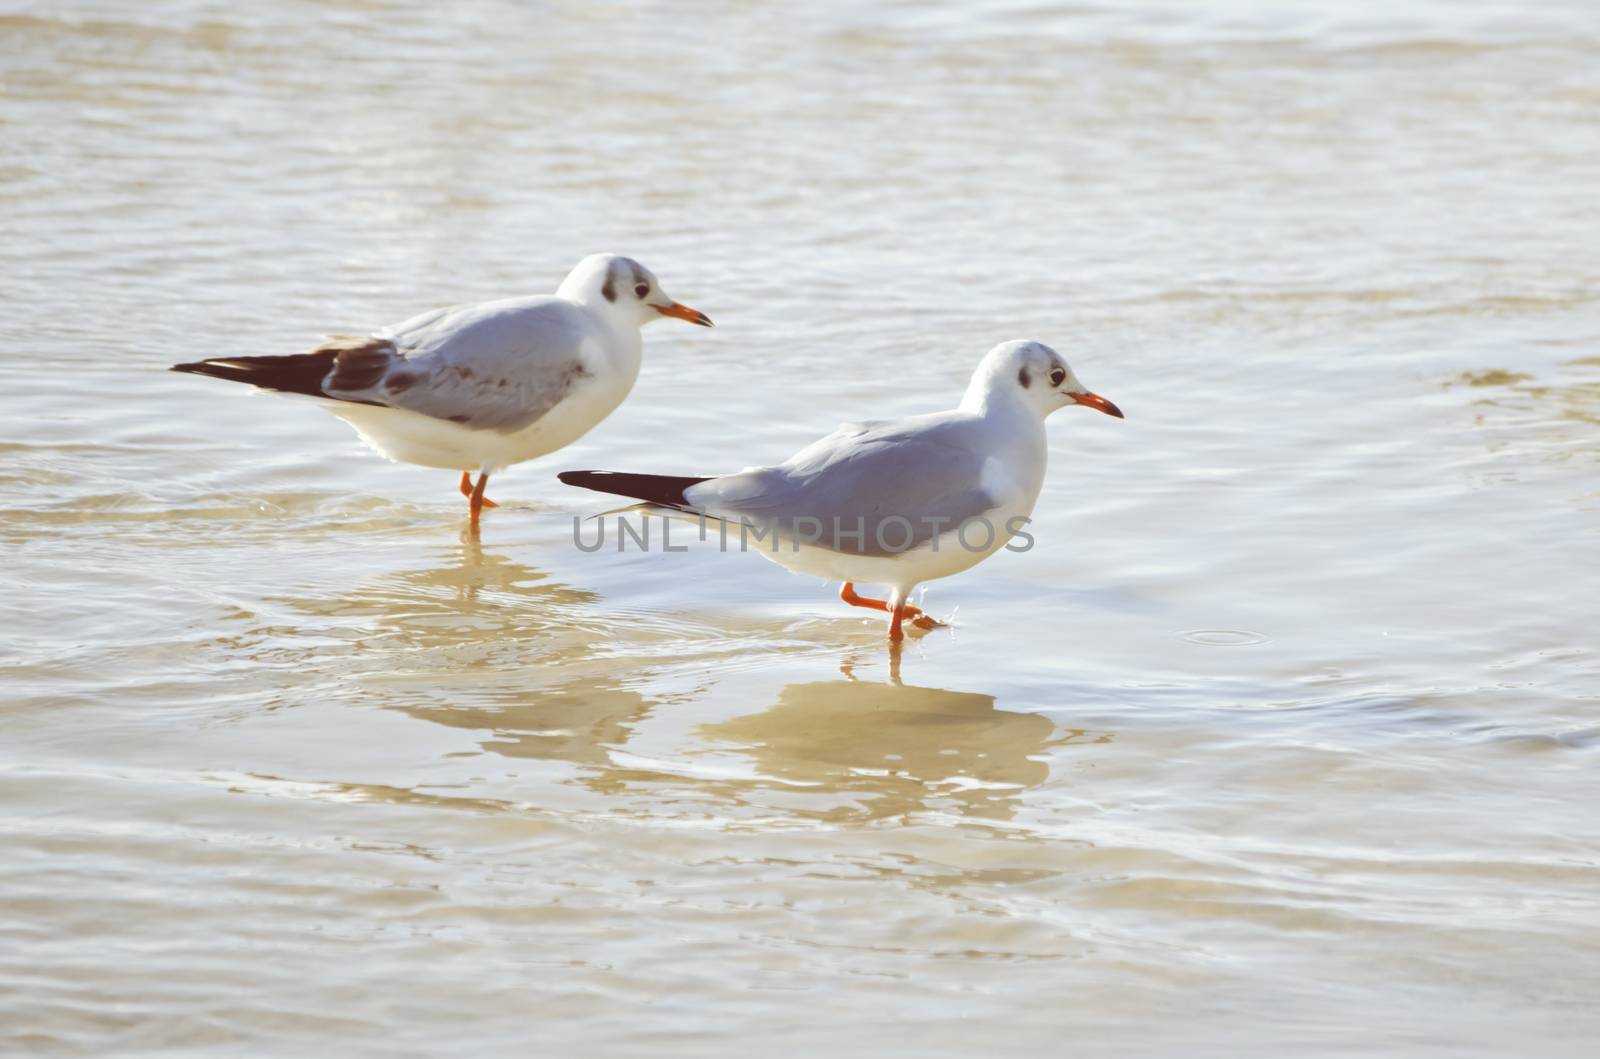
point(894, 502)
point(480, 387)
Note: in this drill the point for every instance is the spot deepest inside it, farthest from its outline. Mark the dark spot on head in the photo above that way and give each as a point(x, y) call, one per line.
point(610, 289)
point(1023, 377)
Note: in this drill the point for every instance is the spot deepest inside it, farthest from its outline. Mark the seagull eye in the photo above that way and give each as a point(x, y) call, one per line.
point(1057, 377)
point(641, 290)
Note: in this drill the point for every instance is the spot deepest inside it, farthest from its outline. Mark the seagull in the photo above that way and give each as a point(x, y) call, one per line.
point(480, 387)
point(893, 502)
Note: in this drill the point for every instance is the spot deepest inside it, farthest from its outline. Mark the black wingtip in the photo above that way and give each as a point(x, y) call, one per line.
point(215, 369)
point(664, 489)
point(297, 373)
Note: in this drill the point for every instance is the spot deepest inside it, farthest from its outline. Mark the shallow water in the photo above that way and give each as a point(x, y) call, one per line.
point(1283, 738)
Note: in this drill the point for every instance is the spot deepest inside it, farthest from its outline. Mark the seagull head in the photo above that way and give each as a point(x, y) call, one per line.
point(622, 288)
point(1034, 375)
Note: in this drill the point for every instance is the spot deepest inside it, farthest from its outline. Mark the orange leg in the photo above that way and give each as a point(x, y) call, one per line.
point(919, 619)
point(895, 635)
point(848, 593)
point(466, 491)
point(476, 502)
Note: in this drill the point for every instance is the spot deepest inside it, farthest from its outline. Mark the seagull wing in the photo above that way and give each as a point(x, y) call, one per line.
point(498, 365)
point(872, 488)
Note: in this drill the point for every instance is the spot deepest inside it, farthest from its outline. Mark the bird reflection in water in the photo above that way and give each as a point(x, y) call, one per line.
point(542, 671)
point(476, 600)
point(479, 642)
point(850, 750)
point(496, 646)
point(834, 751)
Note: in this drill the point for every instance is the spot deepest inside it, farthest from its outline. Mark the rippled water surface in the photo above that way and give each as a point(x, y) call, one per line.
point(1282, 740)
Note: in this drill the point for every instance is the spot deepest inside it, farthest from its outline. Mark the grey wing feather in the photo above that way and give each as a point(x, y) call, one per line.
point(876, 489)
point(492, 366)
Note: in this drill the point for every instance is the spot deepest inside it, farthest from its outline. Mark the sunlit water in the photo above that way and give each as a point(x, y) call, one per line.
point(1282, 740)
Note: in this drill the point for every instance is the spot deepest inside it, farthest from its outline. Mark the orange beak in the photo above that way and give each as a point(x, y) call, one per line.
point(1098, 403)
point(683, 312)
